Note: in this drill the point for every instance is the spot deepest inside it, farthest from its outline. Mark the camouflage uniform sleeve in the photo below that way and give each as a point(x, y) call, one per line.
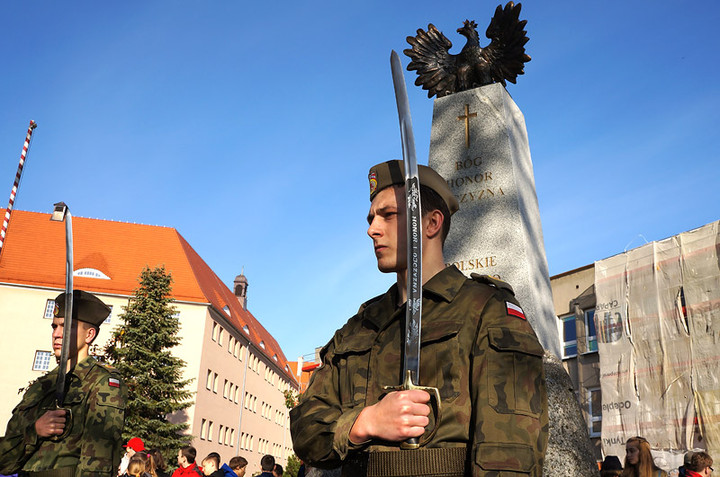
point(508, 394)
point(318, 424)
point(104, 421)
point(21, 441)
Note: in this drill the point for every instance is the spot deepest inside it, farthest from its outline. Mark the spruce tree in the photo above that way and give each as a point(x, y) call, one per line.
point(141, 350)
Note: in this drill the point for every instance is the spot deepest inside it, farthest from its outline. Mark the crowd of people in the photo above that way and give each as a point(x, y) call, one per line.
point(639, 462)
point(141, 462)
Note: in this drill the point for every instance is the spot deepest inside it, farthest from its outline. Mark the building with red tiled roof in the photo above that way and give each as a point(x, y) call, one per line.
point(237, 368)
point(304, 368)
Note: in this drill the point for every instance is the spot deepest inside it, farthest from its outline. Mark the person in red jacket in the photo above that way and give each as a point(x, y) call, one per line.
point(700, 465)
point(186, 463)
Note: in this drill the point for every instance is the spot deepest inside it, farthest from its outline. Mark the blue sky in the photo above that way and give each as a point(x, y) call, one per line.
point(250, 128)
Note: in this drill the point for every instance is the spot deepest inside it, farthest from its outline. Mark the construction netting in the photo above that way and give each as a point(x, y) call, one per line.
point(658, 324)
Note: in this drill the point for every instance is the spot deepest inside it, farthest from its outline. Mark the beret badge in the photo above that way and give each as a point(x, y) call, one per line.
point(372, 177)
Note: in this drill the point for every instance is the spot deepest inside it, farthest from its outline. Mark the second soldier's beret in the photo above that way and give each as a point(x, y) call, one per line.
point(390, 173)
point(88, 307)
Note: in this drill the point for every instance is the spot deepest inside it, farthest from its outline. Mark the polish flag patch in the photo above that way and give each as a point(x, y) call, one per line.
point(514, 310)
point(115, 383)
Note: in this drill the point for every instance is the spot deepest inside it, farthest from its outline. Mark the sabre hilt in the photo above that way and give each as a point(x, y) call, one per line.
point(415, 442)
point(68, 421)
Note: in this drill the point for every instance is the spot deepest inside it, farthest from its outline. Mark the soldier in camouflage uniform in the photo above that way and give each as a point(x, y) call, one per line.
point(34, 443)
point(477, 349)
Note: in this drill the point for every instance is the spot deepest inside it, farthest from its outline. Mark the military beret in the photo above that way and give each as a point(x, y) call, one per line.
point(88, 307)
point(390, 173)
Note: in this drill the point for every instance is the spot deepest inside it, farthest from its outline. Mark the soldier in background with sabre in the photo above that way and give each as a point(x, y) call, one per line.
point(471, 398)
point(70, 420)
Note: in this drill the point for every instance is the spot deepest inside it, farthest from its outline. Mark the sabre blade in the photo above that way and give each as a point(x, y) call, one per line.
point(413, 314)
point(68, 334)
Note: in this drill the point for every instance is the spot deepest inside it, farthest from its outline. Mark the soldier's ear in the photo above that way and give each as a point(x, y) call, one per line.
point(433, 222)
point(90, 334)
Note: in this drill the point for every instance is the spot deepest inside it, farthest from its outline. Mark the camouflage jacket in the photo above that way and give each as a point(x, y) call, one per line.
point(96, 397)
point(485, 361)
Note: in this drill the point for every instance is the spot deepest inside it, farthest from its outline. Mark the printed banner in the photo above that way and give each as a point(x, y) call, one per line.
point(658, 325)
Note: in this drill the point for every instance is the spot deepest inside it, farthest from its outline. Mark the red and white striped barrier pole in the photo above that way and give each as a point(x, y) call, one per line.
point(13, 192)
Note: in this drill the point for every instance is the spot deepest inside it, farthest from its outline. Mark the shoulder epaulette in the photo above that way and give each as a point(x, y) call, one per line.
point(492, 281)
point(107, 367)
point(369, 302)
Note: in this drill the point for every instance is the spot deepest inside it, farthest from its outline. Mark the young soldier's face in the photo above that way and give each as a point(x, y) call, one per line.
point(81, 332)
point(387, 229)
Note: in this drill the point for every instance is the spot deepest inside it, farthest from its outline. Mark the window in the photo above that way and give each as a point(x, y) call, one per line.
point(107, 320)
point(232, 437)
point(215, 381)
point(231, 344)
point(569, 336)
point(220, 336)
point(208, 382)
point(210, 431)
point(215, 330)
point(42, 361)
point(594, 411)
point(221, 434)
point(590, 334)
point(225, 389)
point(90, 273)
point(246, 329)
point(203, 429)
point(49, 309)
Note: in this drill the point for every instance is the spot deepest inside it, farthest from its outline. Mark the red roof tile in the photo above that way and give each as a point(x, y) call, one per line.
point(34, 254)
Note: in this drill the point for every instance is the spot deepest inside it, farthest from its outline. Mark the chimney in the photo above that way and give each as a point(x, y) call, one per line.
point(240, 286)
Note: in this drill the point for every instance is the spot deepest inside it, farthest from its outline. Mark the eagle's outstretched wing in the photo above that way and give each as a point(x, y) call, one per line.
point(431, 58)
point(505, 55)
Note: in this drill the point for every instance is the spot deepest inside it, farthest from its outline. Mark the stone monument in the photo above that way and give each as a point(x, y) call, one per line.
point(479, 144)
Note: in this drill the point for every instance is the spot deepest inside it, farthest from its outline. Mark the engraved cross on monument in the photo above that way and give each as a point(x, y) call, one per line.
point(466, 117)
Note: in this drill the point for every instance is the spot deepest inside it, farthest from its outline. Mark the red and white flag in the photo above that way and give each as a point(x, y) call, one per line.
point(514, 310)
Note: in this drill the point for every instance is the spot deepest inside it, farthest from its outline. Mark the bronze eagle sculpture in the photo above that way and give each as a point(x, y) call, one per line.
point(441, 73)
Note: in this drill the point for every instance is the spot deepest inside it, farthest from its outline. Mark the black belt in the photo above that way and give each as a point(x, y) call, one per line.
point(432, 462)
point(59, 472)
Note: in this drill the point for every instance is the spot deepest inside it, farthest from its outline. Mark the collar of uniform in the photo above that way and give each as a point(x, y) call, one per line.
point(445, 284)
point(382, 311)
point(83, 367)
